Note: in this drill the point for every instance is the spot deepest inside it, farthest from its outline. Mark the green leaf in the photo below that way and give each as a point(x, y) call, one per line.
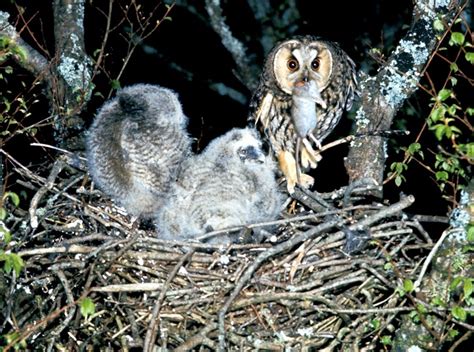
point(438, 25)
point(457, 38)
point(444, 94)
point(470, 234)
point(440, 131)
point(468, 288)
point(437, 301)
point(3, 214)
point(413, 148)
point(466, 249)
point(421, 308)
point(452, 109)
point(455, 130)
point(438, 113)
point(441, 176)
point(375, 323)
point(453, 333)
point(17, 263)
point(14, 198)
point(455, 283)
point(408, 285)
point(469, 57)
point(87, 307)
point(453, 80)
point(115, 84)
point(398, 180)
point(386, 340)
point(454, 67)
point(7, 237)
point(459, 313)
point(8, 265)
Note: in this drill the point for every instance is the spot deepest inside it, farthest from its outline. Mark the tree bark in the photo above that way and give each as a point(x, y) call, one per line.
point(383, 95)
point(67, 77)
point(74, 70)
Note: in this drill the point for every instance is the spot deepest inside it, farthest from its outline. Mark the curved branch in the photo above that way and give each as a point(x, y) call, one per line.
point(383, 95)
point(30, 59)
point(232, 44)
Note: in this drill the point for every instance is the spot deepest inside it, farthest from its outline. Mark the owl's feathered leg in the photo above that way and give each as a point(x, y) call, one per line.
point(290, 170)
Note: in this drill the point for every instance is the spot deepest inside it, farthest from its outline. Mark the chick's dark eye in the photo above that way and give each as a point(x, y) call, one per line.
point(292, 64)
point(315, 64)
point(242, 152)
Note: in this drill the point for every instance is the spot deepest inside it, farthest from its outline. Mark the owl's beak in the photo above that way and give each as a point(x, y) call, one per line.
point(252, 153)
point(304, 81)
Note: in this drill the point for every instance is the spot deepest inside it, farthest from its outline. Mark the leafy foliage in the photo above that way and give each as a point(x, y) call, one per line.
point(12, 261)
point(449, 120)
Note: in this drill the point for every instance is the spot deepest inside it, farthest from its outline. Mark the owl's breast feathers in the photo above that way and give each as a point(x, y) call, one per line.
point(269, 113)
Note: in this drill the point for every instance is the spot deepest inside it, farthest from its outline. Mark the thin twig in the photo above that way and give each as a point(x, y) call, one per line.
point(150, 337)
point(430, 256)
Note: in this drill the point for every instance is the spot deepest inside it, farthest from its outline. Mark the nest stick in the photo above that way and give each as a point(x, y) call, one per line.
point(390, 210)
point(152, 327)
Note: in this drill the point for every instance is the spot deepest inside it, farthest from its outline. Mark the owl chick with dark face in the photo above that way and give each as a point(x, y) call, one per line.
point(231, 183)
point(306, 85)
point(136, 145)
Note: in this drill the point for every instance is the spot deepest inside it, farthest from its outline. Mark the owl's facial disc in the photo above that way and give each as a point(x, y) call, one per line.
point(295, 64)
point(248, 148)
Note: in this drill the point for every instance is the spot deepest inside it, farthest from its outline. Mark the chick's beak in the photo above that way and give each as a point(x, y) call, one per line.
point(253, 153)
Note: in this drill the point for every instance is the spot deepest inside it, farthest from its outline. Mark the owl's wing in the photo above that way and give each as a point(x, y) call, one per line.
point(353, 85)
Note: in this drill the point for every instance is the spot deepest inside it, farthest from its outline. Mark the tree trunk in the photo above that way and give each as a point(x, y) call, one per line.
point(384, 94)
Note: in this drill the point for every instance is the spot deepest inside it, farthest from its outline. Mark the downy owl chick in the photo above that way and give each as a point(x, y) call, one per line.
point(136, 145)
point(306, 85)
point(230, 183)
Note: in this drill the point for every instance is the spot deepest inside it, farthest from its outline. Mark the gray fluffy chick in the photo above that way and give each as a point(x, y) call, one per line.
point(136, 145)
point(230, 183)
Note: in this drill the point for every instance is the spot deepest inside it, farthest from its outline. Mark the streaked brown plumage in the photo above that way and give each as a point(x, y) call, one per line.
point(306, 85)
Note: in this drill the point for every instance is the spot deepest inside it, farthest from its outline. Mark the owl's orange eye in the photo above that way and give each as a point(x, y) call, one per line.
point(315, 64)
point(292, 64)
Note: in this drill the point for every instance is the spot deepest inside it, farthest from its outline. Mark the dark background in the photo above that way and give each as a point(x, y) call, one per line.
point(185, 54)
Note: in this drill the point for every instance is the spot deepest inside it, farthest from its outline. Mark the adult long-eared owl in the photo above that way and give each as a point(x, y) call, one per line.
point(306, 85)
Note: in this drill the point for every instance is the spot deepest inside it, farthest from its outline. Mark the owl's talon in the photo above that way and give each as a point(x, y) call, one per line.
point(288, 166)
point(309, 157)
point(306, 181)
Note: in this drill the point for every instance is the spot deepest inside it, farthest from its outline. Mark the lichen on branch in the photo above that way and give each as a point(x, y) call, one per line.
point(383, 94)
